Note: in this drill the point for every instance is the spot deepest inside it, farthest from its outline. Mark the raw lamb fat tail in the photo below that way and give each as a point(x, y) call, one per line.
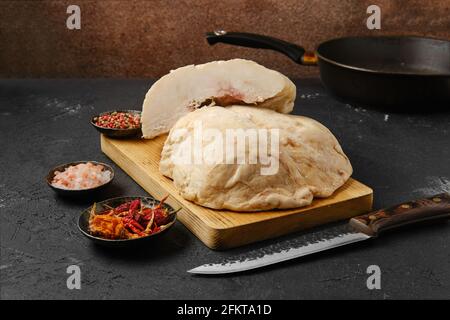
point(311, 162)
point(220, 83)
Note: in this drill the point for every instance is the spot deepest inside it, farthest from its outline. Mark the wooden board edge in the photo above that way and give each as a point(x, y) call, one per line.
point(227, 238)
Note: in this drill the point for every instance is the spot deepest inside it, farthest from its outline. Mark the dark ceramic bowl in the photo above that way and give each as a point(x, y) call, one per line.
point(83, 221)
point(77, 192)
point(118, 133)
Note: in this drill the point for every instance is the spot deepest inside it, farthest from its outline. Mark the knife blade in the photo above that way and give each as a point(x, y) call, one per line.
point(357, 229)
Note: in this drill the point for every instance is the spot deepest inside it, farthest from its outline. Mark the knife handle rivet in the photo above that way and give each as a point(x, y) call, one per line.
point(436, 199)
point(405, 206)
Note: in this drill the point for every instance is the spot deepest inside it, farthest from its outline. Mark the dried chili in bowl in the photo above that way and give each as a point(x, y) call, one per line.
point(129, 220)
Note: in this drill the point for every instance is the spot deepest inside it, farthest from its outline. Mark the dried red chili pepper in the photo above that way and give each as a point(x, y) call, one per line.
point(156, 229)
point(160, 204)
point(138, 218)
point(128, 220)
point(147, 217)
point(123, 207)
point(160, 216)
point(135, 204)
point(147, 211)
point(134, 229)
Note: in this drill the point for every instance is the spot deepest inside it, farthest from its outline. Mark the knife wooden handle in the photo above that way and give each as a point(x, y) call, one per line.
point(435, 207)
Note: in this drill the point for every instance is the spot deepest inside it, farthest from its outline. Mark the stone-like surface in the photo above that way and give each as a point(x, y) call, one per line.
point(137, 38)
point(46, 122)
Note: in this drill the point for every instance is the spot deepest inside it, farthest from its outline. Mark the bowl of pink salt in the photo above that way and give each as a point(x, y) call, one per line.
point(81, 177)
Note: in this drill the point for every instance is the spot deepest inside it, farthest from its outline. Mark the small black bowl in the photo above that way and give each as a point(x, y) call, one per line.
point(118, 133)
point(77, 192)
point(83, 221)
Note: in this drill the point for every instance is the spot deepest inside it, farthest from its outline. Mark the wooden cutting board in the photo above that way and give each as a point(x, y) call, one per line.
point(222, 229)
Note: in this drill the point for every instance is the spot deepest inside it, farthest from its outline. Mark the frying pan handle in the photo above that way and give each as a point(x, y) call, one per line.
point(251, 40)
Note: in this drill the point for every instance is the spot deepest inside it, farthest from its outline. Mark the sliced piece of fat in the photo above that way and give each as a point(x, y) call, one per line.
point(217, 83)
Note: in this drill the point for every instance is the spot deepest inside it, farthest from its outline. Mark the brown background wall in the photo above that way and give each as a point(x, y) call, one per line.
point(148, 38)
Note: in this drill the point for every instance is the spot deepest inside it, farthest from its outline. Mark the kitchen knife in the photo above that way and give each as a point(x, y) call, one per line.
point(359, 228)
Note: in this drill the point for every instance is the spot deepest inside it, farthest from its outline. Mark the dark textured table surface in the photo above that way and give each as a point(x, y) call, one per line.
point(46, 122)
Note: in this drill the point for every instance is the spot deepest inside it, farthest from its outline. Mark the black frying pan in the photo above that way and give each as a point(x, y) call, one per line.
point(399, 73)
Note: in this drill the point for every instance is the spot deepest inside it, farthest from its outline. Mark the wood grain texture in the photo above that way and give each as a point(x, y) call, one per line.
point(222, 229)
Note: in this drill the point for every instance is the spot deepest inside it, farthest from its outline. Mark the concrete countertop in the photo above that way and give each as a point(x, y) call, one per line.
point(46, 122)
